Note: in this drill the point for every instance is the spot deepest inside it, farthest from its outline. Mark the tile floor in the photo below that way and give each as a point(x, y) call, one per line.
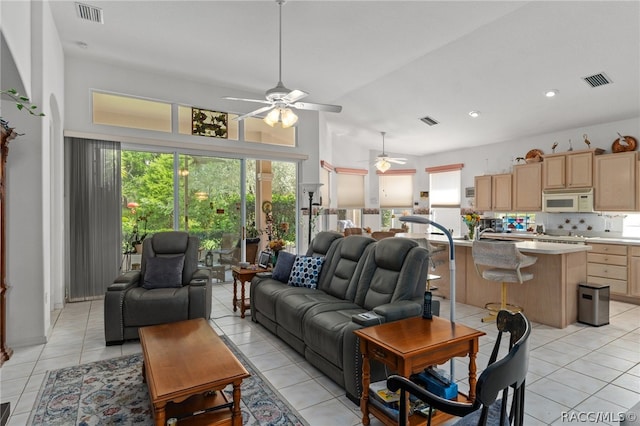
point(580, 369)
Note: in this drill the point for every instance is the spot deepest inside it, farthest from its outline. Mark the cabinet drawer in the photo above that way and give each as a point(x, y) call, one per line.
point(615, 286)
point(609, 259)
point(376, 353)
point(609, 248)
point(607, 271)
point(635, 250)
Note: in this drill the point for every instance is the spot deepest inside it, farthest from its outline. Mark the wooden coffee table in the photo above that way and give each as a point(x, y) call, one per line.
point(186, 366)
point(408, 346)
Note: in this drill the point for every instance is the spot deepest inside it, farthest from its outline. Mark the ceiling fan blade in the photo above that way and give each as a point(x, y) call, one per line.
point(294, 95)
point(260, 101)
point(397, 160)
point(317, 107)
point(256, 112)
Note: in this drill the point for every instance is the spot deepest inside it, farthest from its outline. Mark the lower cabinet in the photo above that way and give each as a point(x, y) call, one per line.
point(607, 264)
point(634, 271)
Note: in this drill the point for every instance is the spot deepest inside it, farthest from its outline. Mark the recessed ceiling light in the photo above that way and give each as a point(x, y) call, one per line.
point(551, 93)
point(474, 114)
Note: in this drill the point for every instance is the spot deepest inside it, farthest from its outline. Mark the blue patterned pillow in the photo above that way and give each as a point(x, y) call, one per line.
point(305, 271)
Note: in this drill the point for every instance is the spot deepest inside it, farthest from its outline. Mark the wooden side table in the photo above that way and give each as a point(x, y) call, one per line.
point(409, 346)
point(243, 275)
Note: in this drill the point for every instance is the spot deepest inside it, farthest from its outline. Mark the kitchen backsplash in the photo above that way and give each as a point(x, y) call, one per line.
point(583, 224)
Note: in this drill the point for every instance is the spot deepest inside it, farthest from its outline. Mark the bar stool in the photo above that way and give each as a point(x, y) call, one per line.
point(506, 261)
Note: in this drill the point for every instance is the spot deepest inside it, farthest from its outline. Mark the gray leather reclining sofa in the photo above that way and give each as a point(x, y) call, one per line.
point(359, 275)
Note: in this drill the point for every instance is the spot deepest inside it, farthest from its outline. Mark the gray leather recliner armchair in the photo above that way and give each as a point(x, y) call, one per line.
point(150, 296)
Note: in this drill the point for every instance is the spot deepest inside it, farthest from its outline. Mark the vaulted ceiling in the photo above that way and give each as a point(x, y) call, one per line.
point(390, 63)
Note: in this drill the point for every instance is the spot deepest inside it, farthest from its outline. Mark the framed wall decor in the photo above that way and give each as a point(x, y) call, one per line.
point(209, 123)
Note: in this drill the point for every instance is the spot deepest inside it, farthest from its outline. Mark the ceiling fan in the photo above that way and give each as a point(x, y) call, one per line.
point(383, 161)
point(280, 99)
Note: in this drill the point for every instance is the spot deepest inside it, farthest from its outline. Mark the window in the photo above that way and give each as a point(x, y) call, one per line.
point(256, 130)
point(444, 193)
point(127, 111)
point(631, 226)
point(396, 190)
point(444, 189)
point(350, 188)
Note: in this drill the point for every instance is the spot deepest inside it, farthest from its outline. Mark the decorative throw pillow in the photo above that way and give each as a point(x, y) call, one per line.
point(305, 271)
point(163, 272)
point(283, 266)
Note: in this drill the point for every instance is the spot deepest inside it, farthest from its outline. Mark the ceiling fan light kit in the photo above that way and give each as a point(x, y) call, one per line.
point(281, 115)
point(279, 99)
point(383, 163)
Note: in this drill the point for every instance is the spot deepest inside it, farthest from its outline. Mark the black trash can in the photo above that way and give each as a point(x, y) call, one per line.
point(593, 304)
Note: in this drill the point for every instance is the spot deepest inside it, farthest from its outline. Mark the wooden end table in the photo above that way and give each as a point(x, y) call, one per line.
point(243, 275)
point(409, 346)
point(186, 367)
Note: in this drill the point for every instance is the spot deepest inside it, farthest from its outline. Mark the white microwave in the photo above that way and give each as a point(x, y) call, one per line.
point(564, 201)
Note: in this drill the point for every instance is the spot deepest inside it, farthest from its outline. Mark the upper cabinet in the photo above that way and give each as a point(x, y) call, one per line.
point(616, 182)
point(493, 192)
point(527, 187)
point(569, 169)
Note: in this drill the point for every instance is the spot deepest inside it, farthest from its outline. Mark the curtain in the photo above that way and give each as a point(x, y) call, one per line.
point(92, 176)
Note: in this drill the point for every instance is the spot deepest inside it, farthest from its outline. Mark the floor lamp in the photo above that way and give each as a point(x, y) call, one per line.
point(310, 188)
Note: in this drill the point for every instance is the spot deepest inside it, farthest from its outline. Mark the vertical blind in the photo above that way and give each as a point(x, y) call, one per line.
point(93, 180)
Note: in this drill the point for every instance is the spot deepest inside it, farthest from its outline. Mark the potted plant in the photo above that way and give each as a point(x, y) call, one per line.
point(137, 236)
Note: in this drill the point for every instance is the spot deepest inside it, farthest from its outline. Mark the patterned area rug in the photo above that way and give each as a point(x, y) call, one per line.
point(112, 392)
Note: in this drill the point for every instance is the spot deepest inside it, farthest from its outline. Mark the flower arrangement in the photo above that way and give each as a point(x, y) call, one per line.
point(471, 219)
point(276, 245)
point(276, 235)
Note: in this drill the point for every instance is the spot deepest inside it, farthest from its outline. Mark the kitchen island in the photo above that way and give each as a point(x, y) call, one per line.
point(550, 298)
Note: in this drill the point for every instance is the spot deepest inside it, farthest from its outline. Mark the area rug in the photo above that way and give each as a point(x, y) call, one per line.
point(111, 392)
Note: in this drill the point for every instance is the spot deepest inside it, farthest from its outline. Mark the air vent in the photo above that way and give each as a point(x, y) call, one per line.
point(428, 120)
point(89, 13)
point(597, 80)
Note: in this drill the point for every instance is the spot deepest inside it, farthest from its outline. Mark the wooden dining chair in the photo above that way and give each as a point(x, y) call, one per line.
point(378, 235)
point(352, 231)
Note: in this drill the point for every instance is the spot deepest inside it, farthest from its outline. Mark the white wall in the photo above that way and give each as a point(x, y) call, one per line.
point(15, 23)
point(33, 184)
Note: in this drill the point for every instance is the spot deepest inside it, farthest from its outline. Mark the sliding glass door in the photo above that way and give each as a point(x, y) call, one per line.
point(204, 195)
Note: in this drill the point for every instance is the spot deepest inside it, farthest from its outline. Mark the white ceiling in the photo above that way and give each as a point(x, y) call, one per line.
point(388, 63)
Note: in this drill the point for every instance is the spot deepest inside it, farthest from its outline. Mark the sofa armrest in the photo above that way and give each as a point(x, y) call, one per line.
point(398, 310)
point(199, 275)
point(264, 274)
point(125, 281)
point(198, 282)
